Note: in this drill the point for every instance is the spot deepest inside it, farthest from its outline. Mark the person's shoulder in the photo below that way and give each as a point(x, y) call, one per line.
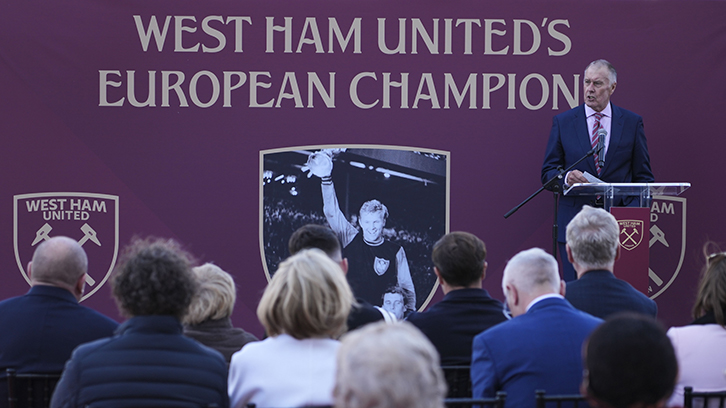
point(586, 320)
point(587, 282)
point(12, 302)
point(502, 330)
point(363, 313)
point(619, 111)
point(97, 316)
point(571, 113)
point(570, 315)
point(634, 293)
point(696, 333)
point(89, 349)
point(390, 244)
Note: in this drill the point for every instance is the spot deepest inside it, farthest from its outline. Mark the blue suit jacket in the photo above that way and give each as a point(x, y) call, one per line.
point(601, 294)
point(626, 161)
point(540, 349)
point(452, 323)
point(41, 328)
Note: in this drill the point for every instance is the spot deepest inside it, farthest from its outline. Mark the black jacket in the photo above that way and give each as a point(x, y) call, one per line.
point(452, 323)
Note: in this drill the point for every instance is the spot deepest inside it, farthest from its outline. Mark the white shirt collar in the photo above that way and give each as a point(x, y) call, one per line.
point(543, 297)
point(608, 111)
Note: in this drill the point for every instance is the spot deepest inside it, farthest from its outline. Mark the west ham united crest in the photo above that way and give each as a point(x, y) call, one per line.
point(667, 242)
point(631, 233)
point(91, 219)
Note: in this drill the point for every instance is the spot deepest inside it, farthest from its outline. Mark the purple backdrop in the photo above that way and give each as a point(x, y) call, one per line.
point(192, 172)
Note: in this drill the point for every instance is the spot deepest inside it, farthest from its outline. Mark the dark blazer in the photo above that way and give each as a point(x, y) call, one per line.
point(540, 349)
point(601, 294)
point(627, 159)
point(148, 363)
point(452, 323)
point(362, 314)
point(41, 328)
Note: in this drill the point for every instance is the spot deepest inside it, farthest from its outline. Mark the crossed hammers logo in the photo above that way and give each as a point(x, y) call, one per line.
point(629, 237)
point(89, 234)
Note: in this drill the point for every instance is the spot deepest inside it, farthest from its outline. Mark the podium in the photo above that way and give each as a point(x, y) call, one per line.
point(634, 222)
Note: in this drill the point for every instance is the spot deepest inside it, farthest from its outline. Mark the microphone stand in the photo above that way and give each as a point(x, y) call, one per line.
point(555, 187)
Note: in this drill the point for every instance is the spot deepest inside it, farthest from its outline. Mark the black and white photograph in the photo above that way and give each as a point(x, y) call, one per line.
point(387, 205)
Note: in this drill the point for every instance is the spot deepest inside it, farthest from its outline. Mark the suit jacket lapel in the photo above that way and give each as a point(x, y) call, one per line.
point(583, 137)
point(616, 132)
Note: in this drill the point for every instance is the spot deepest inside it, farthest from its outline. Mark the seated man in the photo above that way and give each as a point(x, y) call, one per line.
point(593, 246)
point(629, 362)
point(391, 366)
point(324, 239)
point(466, 309)
point(42, 327)
point(540, 348)
point(149, 362)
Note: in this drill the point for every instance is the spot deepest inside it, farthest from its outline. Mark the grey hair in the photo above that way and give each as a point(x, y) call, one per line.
point(388, 366)
point(612, 73)
point(532, 269)
point(216, 295)
point(593, 237)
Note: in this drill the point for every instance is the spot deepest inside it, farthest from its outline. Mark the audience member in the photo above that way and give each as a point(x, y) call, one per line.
point(540, 348)
point(388, 366)
point(208, 319)
point(629, 363)
point(42, 327)
point(593, 246)
point(149, 362)
point(324, 239)
point(466, 309)
point(700, 346)
point(303, 309)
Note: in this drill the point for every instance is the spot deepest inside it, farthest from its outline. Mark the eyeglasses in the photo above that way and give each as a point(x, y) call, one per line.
point(712, 257)
point(505, 310)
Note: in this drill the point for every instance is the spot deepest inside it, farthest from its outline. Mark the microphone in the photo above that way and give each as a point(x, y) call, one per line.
point(601, 147)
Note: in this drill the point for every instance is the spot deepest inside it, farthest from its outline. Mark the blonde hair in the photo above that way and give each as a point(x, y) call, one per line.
point(215, 298)
point(307, 297)
point(388, 366)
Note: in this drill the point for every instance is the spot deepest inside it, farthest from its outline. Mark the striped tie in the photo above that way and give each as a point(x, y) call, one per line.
point(594, 138)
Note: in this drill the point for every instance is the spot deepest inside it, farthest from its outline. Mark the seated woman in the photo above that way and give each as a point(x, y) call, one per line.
point(208, 319)
point(148, 362)
point(700, 346)
point(303, 309)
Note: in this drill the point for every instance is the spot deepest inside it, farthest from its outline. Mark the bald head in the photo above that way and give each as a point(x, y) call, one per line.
point(59, 261)
point(528, 275)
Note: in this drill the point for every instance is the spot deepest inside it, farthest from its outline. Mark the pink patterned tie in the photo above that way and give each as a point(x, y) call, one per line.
point(593, 139)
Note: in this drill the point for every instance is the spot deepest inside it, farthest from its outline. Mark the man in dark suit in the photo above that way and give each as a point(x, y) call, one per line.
point(466, 309)
point(41, 328)
point(324, 239)
point(624, 158)
point(593, 246)
point(540, 348)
